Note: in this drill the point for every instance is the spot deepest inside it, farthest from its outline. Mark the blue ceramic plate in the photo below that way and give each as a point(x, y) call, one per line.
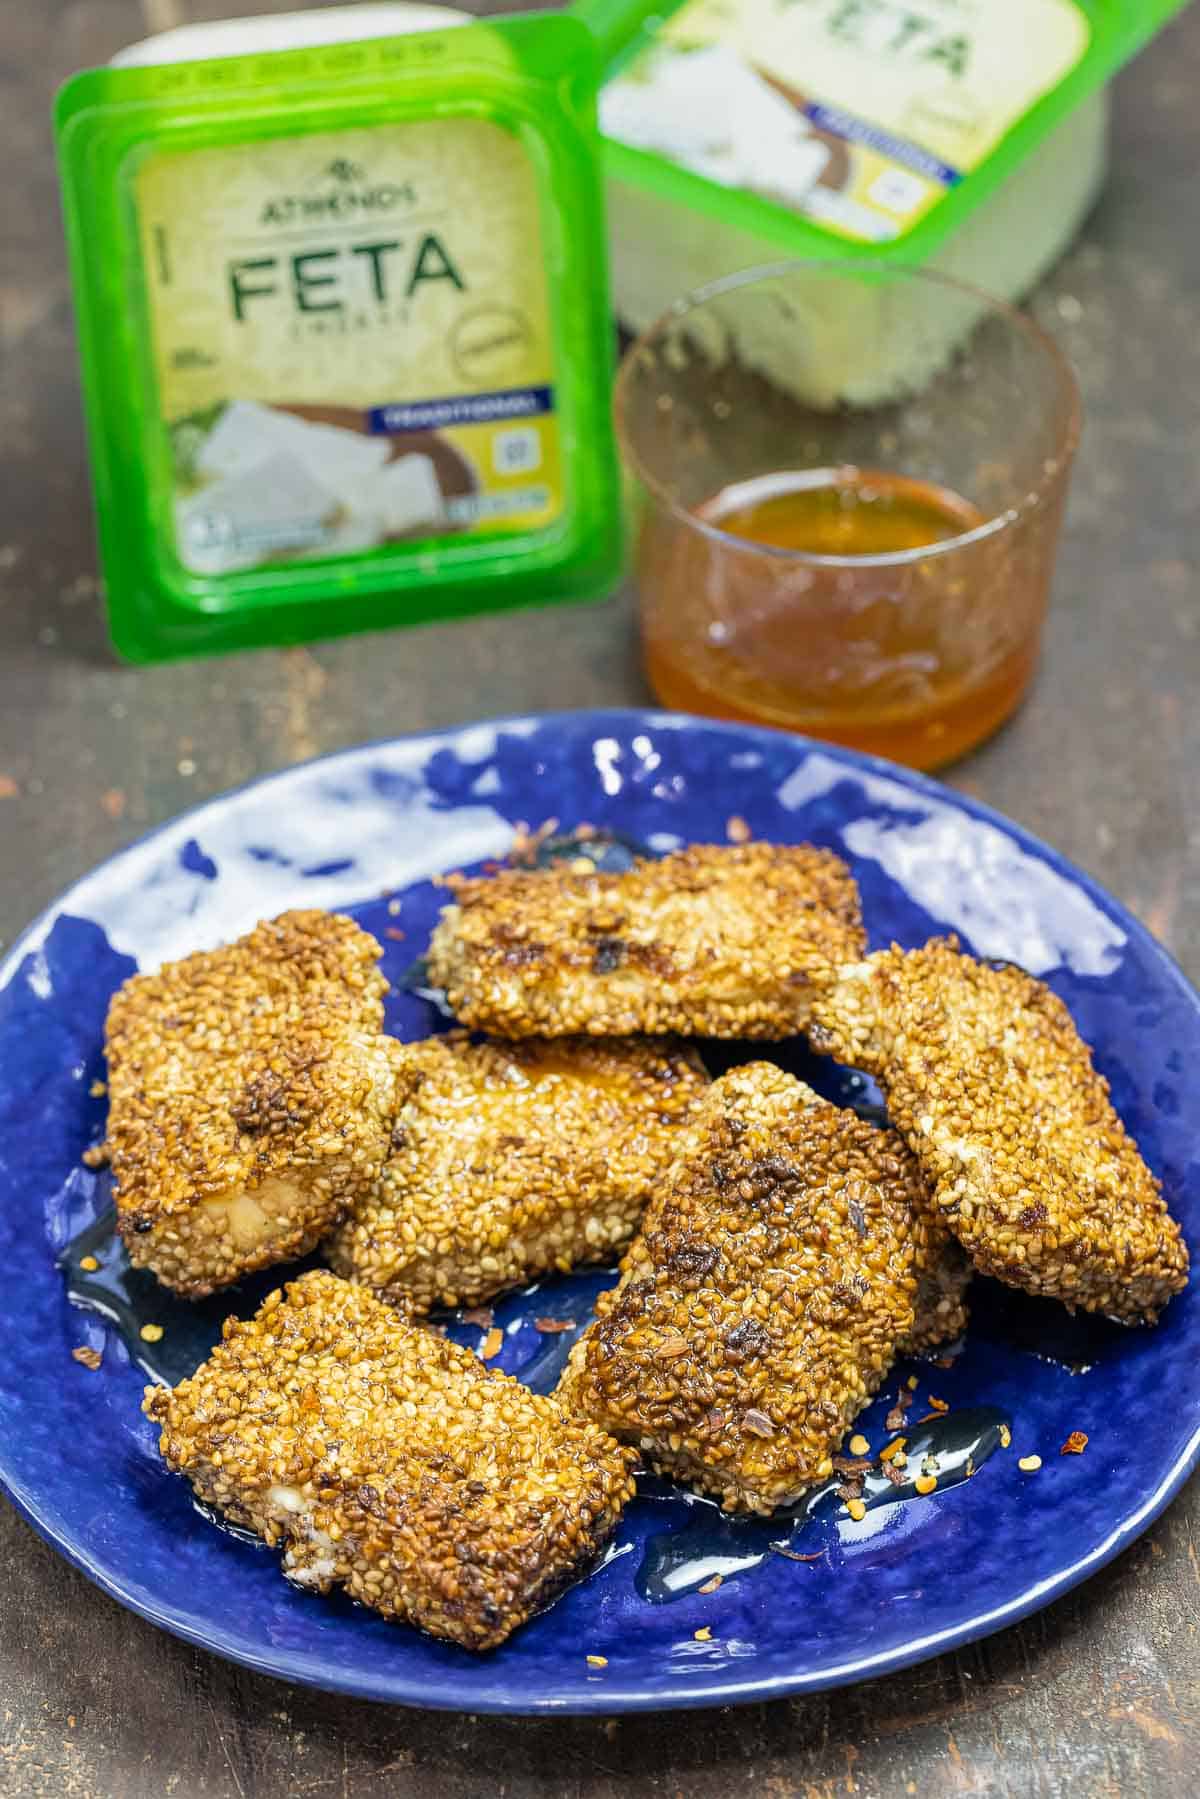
point(367, 830)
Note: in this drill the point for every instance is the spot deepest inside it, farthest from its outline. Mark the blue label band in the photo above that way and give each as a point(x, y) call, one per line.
point(461, 409)
point(858, 131)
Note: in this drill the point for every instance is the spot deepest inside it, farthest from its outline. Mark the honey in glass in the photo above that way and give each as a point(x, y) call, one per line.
point(789, 575)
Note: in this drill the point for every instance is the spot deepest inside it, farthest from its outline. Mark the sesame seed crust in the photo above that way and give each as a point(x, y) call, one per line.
point(250, 1098)
point(762, 1303)
point(514, 1160)
point(943, 1275)
point(991, 1085)
point(724, 940)
point(386, 1460)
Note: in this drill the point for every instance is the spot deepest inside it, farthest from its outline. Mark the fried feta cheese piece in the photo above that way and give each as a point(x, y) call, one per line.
point(383, 1459)
point(994, 1090)
point(514, 1160)
point(714, 941)
point(250, 1098)
point(763, 1301)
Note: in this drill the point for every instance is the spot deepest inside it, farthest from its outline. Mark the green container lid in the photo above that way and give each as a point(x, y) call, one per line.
point(344, 329)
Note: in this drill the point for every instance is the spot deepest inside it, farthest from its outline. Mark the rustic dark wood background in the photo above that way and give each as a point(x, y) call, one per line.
point(1099, 1695)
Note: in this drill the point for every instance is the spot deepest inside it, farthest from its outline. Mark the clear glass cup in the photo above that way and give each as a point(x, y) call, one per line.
point(918, 653)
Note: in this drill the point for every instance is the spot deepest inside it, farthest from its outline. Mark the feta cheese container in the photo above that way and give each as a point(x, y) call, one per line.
point(967, 137)
point(344, 323)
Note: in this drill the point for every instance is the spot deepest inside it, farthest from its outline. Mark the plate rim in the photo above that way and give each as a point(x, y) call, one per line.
point(305, 1669)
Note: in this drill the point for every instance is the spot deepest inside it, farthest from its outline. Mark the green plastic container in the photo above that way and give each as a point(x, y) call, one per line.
point(964, 136)
point(344, 329)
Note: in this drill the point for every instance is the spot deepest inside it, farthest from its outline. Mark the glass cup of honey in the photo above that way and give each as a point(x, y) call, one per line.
point(847, 490)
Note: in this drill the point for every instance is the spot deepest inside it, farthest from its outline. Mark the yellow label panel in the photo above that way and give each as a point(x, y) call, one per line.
point(352, 340)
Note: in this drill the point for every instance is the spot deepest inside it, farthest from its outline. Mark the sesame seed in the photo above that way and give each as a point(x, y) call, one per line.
point(1029, 1464)
point(597, 1661)
point(89, 1358)
point(703, 1635)
point(925, 1483)
point(151, 1333)
point(856, 1509)
point(858, 1444)
point(1005, 1436)
point(89, 1264)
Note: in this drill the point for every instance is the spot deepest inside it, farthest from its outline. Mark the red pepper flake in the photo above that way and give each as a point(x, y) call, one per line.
point(939, 1405)
point(8, 788)
point(89, 1357)
point(793, 1556)
point(710, 1586)
point(551, 1325)
point(737, 830)
point(113, 802)
point(480, 1315)
point(1075, 1444)
point(492, 1344)
point(897, 1476)
point(394, 932)
point(852, 1464)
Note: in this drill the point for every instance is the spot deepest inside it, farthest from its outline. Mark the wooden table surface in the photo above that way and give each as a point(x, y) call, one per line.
point(1100, 1694)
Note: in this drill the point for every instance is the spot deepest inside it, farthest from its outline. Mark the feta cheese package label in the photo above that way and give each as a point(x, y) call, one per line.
point(863, 123)
point(368, 308)
point(355, 366)
point(861, 116)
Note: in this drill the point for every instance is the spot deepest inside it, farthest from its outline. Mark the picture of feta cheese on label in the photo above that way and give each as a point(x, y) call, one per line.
point(247, 430)
point(276, 483)
point(270, 506)
point(713, 115)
